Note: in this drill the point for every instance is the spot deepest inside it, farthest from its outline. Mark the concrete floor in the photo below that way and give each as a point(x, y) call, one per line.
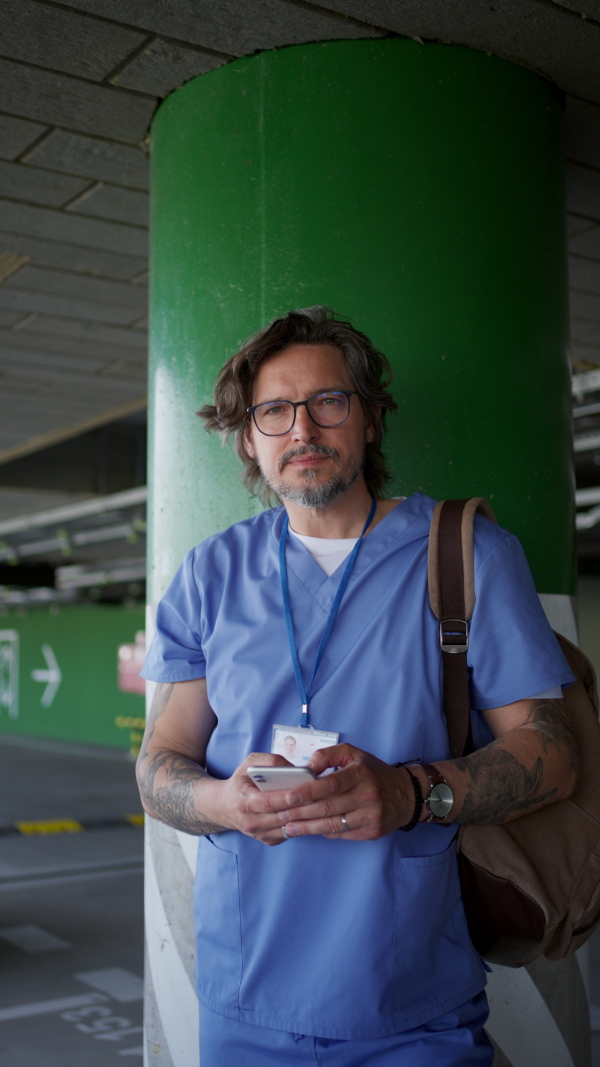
point(71, 912)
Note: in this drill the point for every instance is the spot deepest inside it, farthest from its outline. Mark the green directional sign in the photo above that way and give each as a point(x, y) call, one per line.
point(50, 676)
point(59, 674)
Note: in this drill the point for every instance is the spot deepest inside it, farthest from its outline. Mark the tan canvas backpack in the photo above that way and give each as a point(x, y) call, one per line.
point(530, 886)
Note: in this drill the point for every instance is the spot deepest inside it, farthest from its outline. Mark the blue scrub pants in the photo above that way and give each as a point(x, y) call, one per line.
point(453, 1040)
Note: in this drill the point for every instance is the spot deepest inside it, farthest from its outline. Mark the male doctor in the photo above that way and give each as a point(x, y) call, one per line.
point(346, 944)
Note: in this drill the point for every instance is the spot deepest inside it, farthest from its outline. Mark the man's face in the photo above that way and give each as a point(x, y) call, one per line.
point(288, 746)
point(311, 465)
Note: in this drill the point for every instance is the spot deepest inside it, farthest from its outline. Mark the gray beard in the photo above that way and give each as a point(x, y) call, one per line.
point(320, 495)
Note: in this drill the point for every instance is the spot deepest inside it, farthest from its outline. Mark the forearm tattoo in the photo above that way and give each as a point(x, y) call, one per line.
point(501, 784)
point(171, 799)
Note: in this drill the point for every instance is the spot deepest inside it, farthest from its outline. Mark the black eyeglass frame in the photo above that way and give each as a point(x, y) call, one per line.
point(304, 403)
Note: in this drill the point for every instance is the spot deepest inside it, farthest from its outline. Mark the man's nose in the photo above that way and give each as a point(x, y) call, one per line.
point(304, 429)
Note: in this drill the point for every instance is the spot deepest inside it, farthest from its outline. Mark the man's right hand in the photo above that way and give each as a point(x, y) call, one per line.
point(245, 808)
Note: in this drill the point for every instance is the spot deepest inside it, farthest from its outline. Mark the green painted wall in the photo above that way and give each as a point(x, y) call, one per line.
point(87, 702)
point(417, 189)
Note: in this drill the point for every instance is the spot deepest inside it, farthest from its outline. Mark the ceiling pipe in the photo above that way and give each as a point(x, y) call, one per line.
point(69, 512)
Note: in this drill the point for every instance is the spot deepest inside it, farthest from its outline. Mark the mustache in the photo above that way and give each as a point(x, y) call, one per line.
point(325, 450)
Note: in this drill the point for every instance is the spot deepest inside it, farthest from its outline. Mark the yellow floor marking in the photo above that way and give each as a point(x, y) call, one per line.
point(135, 820)
point(50, 826)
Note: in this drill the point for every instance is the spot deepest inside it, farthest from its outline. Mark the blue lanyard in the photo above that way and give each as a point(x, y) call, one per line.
point(287, 610)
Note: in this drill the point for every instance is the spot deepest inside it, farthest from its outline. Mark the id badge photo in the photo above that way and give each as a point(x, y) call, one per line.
point(298, 743)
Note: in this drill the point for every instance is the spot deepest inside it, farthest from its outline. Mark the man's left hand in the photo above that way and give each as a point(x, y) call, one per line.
point(374, 798)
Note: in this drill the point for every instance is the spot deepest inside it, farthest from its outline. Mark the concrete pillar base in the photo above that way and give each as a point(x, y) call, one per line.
point(539, 1015)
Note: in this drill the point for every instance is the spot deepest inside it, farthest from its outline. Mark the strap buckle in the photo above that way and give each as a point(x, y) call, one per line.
point(452, 640)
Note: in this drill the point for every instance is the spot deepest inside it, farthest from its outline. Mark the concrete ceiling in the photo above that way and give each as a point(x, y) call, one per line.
point(79, 83)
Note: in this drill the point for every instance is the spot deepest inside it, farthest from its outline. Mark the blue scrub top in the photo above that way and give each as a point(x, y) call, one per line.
point(341, 939)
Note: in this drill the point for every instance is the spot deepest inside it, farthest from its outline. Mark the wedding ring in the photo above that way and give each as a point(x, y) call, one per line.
point(344, 822)
point(285, 833)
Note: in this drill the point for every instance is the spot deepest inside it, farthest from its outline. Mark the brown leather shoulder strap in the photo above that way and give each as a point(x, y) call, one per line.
point(452, 598)
point(462, 512)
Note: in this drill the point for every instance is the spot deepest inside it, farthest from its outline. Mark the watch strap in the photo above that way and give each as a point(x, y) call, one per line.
point(434, 778)
point(419, 801)
point(433, 775)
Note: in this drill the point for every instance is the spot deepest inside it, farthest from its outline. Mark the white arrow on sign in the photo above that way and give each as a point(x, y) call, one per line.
point(51, 676)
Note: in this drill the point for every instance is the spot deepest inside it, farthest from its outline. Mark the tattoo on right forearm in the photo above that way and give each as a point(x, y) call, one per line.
point(162, 695)
point(171, 800)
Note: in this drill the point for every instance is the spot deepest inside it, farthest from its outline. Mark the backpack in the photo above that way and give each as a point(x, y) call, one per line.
point(530, 886)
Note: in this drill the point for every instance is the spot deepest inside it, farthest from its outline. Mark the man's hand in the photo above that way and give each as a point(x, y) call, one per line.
point(374, 798)
point(245, 808)
point(531, 762)
point(174, 785)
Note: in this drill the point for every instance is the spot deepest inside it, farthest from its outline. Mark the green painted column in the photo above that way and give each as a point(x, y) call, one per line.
point(417, 189)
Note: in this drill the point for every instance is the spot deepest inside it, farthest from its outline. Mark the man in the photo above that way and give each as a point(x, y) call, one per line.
point(289, 747)
point(348, 945)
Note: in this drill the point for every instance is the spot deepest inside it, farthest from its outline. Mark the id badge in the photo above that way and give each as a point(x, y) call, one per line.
point(298, 743)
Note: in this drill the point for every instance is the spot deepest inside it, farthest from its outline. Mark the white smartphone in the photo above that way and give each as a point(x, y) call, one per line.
point(267, 778)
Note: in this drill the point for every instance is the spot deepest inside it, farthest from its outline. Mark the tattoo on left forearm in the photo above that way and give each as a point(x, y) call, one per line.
point(501, 785)
point(550, 720)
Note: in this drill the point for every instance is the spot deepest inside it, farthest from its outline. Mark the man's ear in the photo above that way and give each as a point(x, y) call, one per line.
point(248, 442)
point(370, 428)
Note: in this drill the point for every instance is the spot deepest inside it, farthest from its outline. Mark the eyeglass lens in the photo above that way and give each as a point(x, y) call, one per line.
point(326, 409)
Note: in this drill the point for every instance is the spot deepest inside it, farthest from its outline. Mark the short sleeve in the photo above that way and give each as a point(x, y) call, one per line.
point(513, 653)
point(175, 654)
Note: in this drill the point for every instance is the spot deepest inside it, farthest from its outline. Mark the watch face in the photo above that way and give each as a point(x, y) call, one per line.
point(440, 800)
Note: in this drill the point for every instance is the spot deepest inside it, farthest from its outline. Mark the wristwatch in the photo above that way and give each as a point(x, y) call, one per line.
point(440, 798)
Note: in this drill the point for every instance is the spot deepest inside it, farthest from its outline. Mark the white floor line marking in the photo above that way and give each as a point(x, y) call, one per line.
point(118, 1035)
point(175, 995)
point(47, 1007)
point(120, 984)
point(41, 879)
point(521, 1023)
point(132, 1051)
point(31, 938)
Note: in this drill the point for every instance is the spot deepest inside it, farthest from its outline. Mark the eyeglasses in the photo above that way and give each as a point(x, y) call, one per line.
point(276, 417)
